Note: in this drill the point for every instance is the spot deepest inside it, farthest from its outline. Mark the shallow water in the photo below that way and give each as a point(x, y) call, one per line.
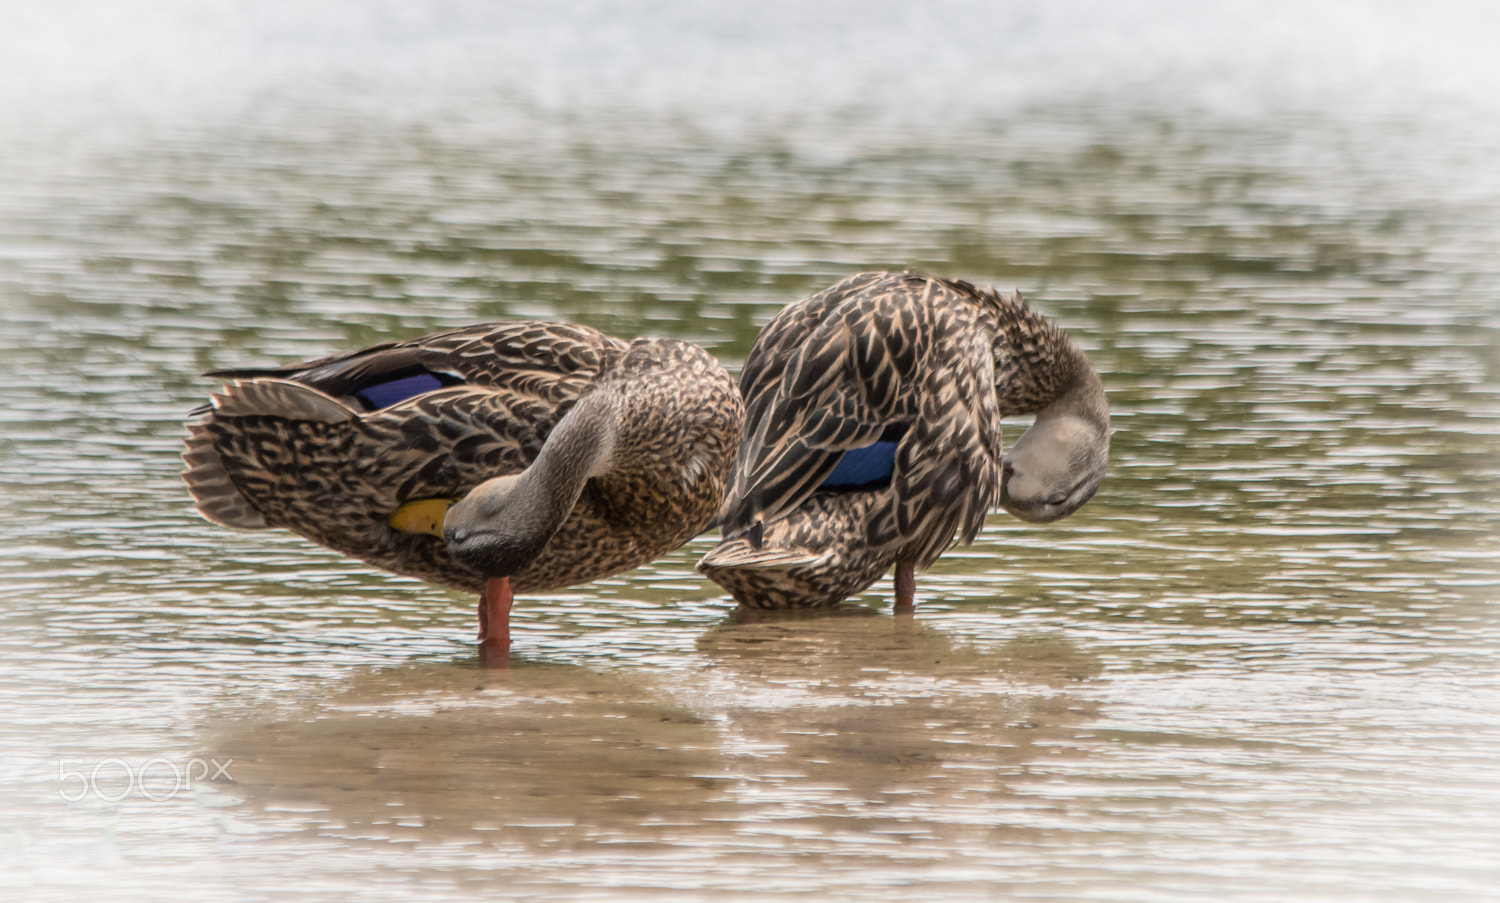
point(1261, 664)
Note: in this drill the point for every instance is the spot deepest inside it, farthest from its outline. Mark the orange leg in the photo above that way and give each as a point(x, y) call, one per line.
point(494, 623)
point(906, 588)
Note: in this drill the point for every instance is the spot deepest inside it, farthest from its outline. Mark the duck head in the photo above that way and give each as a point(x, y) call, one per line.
point(499, 528)
point(1054, 467)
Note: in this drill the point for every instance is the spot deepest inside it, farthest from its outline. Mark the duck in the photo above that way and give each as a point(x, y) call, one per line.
point(872, 436)
point(501, 458)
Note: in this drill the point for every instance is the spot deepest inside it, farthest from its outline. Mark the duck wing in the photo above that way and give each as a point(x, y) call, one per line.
point(838, 370)
point(330, 448)
point(548, 361)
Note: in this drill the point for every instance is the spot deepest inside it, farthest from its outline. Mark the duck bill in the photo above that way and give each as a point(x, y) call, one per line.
point(421, 516)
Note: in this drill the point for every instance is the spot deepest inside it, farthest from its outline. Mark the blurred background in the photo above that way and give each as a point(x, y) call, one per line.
point(1261, 664)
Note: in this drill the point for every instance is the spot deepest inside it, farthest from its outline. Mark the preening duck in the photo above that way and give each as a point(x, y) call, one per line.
point(504, 457)
point(872, 436)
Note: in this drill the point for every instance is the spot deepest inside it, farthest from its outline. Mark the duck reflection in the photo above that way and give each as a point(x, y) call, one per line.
point(542, 755)
point(835, 645)
point(878, 706)
point(810, 724)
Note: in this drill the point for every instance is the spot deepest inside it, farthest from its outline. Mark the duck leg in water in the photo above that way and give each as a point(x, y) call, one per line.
point(494, 623)
point(906, 588)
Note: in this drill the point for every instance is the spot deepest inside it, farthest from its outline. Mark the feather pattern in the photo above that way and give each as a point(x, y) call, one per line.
point(300, 448)
point(833, 373)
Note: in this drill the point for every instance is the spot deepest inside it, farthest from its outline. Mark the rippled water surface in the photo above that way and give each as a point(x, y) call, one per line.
point(1261, 664)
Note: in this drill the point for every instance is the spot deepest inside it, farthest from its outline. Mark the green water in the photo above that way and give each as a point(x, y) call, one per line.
point(1260, 664)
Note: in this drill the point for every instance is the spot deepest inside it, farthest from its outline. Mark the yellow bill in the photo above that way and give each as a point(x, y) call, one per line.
point(421, 516)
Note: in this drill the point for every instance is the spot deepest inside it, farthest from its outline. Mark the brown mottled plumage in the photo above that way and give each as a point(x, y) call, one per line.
point(300, 449)
point(928, 363)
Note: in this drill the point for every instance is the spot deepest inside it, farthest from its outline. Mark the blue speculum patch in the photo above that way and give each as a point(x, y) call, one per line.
point(383, 395)
point(860, 466)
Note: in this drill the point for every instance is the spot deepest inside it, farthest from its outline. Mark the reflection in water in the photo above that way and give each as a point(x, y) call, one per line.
point(887, 709)
point(539, 756)
point(788, 736)
point(1259, 665)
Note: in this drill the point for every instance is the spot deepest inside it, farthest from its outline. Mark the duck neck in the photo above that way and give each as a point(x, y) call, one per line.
point(579, 447)
point(1039, 370)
